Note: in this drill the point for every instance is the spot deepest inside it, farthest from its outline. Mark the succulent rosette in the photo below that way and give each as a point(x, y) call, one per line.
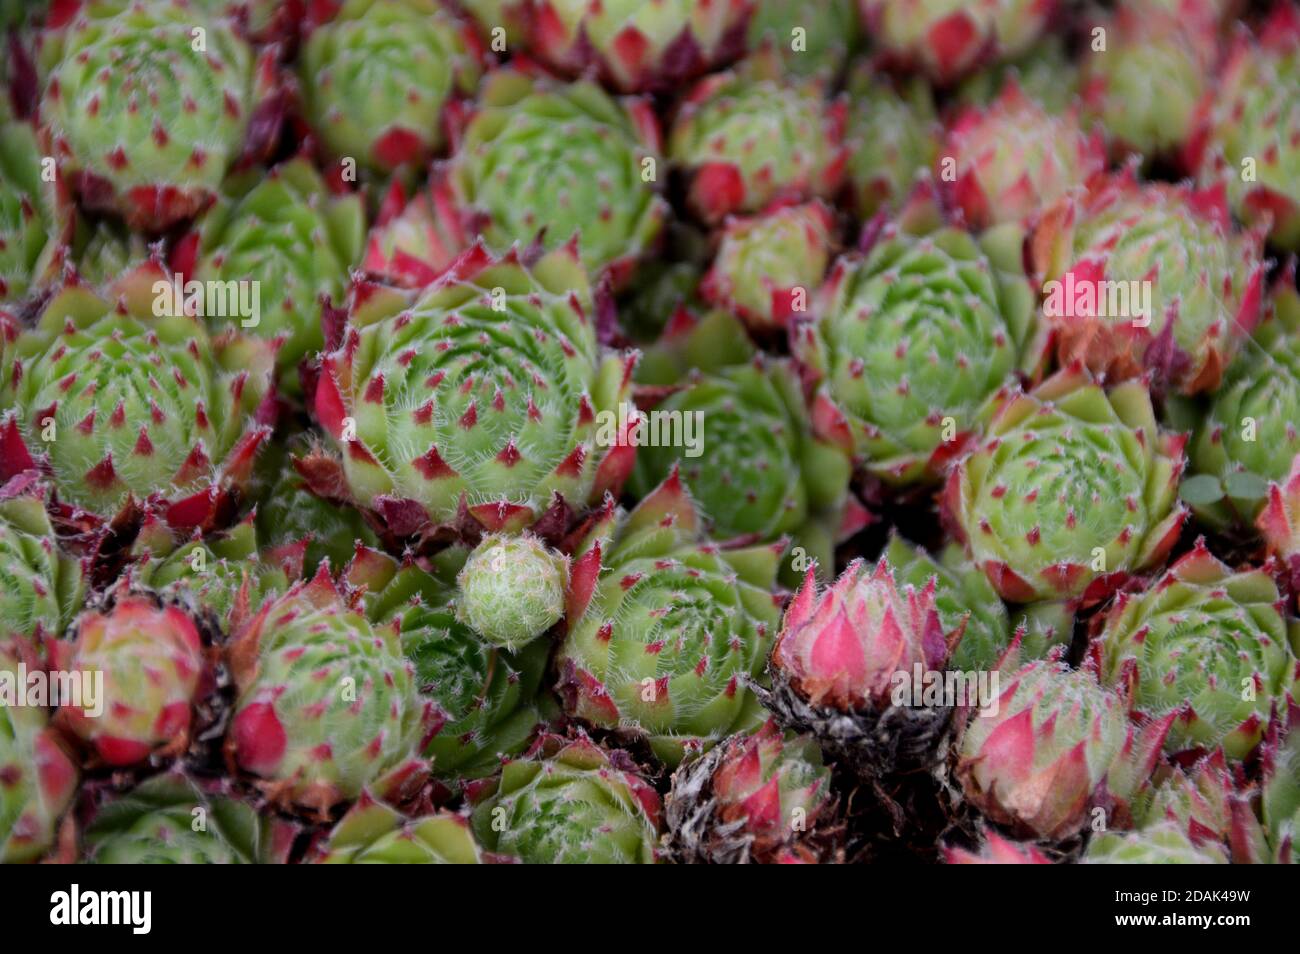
point(1146, 86)
point(559, 160)
point(1211, 646)
point(378, 75)
point(634, 46)
point(1073, 490)
point(997, 850)
point(415, 239)
point(1158, 845)
point(372, 833)
point(963, 593)
point(41, 586)
point(1148, 279)
point(485, 698)
point(750, 799)
point(488, 391)
point(1280, 795)
point(30, 209)
point(511, 589)
point(949, 38)
point(892, 134)
point(155, 666)
point(568, 802)
point(1047, 73)
point(1014, 158)
point(1279, 523)
point(172, 820)
point(915, 341)
point(665, 630)
point(1208, 802)
point(1051, 748)
point(326, 704)
point(489, 16)
point(1249, 137)
point(851, 664)
point(143, 121)
point(769, 266)
point(750, 136)
point(37, 777)
point(755, 468)
point(124, 396)
point(1246, 436)
point(812, 38)
point(104, 251)
point(296, 242)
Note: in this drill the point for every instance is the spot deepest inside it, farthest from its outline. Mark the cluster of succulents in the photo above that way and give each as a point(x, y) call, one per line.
point(689, 431)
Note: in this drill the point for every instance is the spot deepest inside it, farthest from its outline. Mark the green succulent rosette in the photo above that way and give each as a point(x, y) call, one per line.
point(1072, 491)
point(124, 396)
point(172, 820)
point(1046, 74)
point(568, 803)
point(29, 211)
point(1245, 435)
point(105, 250)
point(963, 593)
point(1159, 845)
point(1210, 802)
point(285, 233)
point(144, 115)
point(371, 833)
point(714, 137)
point(914, 343)
point(665, 629)
point(1280, 789)
point(754, 466)
point(40, 778)
point(41, 586)
point(1207, 643)
point(561, 160)
point(813, 39)
point(377, 76)
point(511, 589)
point(486, 699)
point(892, 135)
point(489, 389)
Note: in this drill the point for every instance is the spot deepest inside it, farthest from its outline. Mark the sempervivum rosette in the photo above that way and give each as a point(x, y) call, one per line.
point(560, 160)
point(173, 820)
point(123, 396)
point(1250, 135)
point(39, 778)
point(1048, 73)
point(665, 630)
point(142, 120)
point(635, 46)
point(1247, 435)
point(892, 134)
point(1146, 86)
point(1051, 748)
point(30, 208)
point(1148, 278)
point(1073, 490)
point(286, 233)
point(1210, 803)
point(949, 38)
point(1013, 158)
point(1158, 845)
point(1280, 768)
point(756, 468)
point(568, 802)
point(850, 665)
point(1279, 524)
point(769, 266)
point(1210, 645)
point(812, 38)
point(41, 587)
point(485, 697)
point(914, 340)
point(326, 704)
point(751, 799)
point(751, 135)
point(377, 76)
point(488, 392)
point(372, 833)
point(155, 667)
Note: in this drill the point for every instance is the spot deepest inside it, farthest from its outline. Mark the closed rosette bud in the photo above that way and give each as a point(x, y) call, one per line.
point(568, 802)
point(327, 706)
point(750, 799)
point(372, 833)
point(511, 590)
point(1073, 490)
point(154, 667)
point(1148, 278)
point(1052, 750)
point(1208, 802)
point(997, 850)
point(1208, 645)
